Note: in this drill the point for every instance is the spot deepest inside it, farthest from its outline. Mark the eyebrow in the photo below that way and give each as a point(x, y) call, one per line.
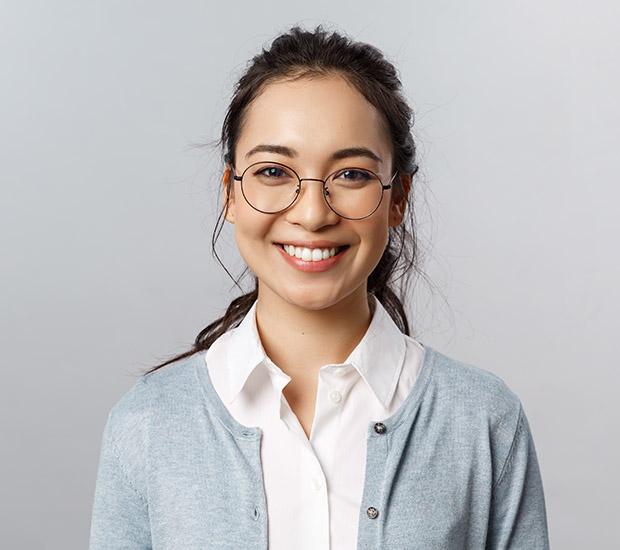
point(337, 155)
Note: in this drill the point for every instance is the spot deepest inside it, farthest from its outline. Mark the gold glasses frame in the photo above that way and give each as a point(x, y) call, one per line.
point(323, 181)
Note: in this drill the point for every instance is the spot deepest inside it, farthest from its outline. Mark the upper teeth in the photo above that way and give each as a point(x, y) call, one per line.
point(309, 254)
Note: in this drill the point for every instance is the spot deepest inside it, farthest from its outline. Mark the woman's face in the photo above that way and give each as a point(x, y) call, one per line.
point(314, 118)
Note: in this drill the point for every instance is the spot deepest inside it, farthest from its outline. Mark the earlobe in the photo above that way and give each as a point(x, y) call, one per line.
point(396, 213)
point(229, 214)
point(398, 207)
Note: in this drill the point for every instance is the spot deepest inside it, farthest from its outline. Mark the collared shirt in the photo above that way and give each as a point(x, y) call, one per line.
point(314, 485)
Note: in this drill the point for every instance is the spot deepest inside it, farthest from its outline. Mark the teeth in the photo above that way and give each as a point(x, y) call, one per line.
point(308, 254)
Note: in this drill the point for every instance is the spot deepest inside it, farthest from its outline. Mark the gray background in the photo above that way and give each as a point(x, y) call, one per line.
point(107, 212)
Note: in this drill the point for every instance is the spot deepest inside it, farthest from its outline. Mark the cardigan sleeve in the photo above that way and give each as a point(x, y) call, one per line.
point(518, 519)
point(120, 517)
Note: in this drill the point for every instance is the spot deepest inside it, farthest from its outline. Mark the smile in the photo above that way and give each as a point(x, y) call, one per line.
point(312, 260)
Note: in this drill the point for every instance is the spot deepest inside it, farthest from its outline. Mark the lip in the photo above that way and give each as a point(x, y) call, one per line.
point(311, 267)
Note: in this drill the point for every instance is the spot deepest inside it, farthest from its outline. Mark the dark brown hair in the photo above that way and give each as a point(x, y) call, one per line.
point(300, 53)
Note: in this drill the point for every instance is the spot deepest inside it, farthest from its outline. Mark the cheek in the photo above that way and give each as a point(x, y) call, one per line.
point(248, 230)
point(380, 240)
point(251, 234)
point(377, 231)
point(373, 241)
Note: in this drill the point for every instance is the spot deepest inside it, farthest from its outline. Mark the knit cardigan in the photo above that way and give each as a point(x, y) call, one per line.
point(454, 468)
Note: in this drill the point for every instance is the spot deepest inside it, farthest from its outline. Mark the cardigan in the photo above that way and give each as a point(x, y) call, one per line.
point(454, 468)
point(314, 483)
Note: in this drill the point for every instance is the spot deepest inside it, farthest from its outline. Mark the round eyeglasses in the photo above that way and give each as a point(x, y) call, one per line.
point(352, 193)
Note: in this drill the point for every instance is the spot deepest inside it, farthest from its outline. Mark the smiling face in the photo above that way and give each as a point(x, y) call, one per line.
point(313, 118)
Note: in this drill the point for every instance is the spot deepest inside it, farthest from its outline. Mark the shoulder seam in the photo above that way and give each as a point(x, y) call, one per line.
point(124, 472)
point(508, 460)
point(140, 382)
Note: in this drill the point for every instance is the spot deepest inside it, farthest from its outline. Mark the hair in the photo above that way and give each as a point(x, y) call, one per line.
point(300, 53)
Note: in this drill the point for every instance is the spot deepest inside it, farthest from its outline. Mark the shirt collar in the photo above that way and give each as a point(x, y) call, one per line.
point(378, 357)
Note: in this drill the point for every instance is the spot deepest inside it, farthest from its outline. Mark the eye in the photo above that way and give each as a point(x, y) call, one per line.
point(354, 174)
point(271, 171)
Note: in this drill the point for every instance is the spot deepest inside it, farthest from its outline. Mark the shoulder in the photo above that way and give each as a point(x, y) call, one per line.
point(143, 409)
point(151, 393)
point(476, 407)
point(127, 415)
point(473, 392)
point(174, 381)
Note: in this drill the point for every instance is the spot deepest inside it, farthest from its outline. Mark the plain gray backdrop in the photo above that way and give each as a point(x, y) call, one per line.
point(107, 212)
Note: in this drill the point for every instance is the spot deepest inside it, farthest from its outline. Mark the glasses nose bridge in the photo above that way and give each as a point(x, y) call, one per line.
point(323, 187)
point(313, 179)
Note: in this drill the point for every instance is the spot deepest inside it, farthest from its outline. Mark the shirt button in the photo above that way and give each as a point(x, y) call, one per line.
point(380, 428)
point(372, 512)
point(317, 484)
point(336, 396)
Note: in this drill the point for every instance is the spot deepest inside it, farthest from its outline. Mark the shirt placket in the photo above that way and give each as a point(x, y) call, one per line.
point(312, 482)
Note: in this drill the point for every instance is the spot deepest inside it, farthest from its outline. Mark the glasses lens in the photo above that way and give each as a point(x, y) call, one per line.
point(269, 187)
point(354, 193)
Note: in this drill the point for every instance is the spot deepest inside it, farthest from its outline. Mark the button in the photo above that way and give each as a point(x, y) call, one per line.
point(336, 396)
point(380, 428)
point(317, 484)
point(372, 512)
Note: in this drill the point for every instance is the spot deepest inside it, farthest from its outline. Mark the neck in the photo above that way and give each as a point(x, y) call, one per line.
point(300, 340)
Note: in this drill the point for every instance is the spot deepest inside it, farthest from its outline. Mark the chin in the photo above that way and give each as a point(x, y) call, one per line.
point(311, 300)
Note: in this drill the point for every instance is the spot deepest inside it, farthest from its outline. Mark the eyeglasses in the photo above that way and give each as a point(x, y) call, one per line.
point(352, 193)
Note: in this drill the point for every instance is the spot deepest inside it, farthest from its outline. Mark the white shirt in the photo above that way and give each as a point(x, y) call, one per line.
point(313, 487)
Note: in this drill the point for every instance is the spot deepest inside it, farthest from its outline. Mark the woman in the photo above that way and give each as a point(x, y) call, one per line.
point(307, 417)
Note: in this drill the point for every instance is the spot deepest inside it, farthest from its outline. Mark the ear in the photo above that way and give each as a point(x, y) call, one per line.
point(398, 203)
point(228, 184)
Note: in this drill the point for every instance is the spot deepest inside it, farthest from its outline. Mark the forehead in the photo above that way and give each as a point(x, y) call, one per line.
point(314, 116)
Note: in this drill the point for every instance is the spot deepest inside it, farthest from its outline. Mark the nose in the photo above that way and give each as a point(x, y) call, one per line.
point(311, 209)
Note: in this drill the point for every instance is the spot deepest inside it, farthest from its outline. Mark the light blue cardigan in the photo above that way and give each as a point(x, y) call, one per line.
point(454, 467)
